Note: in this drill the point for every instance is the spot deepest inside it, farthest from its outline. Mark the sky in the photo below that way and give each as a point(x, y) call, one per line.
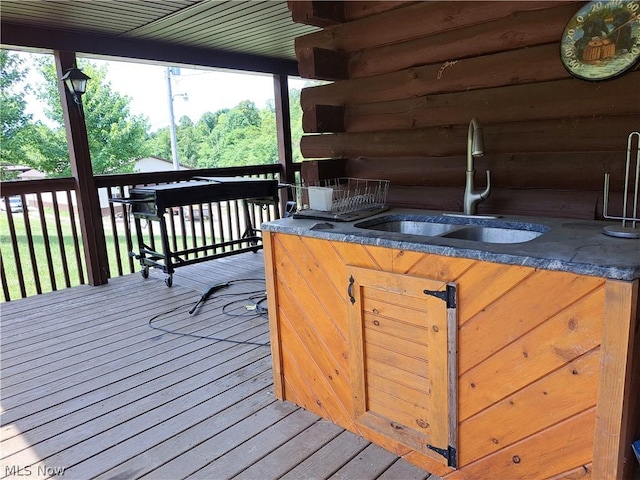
point(195, 91)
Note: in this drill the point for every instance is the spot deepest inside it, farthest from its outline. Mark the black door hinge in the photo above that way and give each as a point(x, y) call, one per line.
point(449, 453)
point(448, 295)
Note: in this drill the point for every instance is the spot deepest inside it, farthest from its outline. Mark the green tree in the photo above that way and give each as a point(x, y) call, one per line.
point(188, 140)
point(243, 135)
point(16, 123)
point(116, 137)
point(296, 123)
point(159, 143)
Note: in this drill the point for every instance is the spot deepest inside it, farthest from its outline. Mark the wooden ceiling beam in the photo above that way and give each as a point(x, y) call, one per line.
point(16, 35)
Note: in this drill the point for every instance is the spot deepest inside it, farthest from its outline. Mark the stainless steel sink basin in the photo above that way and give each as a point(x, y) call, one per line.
point(477, 229)
point(413, 227)
point(493, 234)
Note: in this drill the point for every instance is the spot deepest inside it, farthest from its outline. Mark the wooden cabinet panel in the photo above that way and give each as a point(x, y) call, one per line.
point(541, 355)
point(573, 332)
point(524, 307)
point(402, 340)
point(549, 452)
point(563, 393)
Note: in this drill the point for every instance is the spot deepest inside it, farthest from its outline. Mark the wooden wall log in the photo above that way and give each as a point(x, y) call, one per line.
point(536, 101)
point(324, 118)
point(316, 170)
point(407, 23)
point(362, 9)
point(557, 135)
point(571, 171)
point(502, 201)
point(447, 199)
point(320, 14)
point(517, 30)
point(531, 65)
point(418, 72)
point(324, 13)
point(323, 63)
point(558, 203)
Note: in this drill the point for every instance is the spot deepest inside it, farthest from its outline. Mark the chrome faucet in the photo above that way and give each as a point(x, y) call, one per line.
point(475, 148)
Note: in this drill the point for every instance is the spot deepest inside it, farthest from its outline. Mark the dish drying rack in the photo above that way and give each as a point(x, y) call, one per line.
point(633, 229)
point(341, 199)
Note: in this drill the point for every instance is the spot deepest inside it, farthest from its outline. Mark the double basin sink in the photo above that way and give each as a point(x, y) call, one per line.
point(473, 228)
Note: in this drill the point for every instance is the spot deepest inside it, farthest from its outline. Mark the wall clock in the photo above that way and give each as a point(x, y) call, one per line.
point(602, 39)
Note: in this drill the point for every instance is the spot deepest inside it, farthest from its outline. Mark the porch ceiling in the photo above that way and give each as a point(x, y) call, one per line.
point(231, 34)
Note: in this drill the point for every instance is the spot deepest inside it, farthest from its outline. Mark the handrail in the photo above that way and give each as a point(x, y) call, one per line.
point(19, 187)
point(41, 248)
point(183, 175)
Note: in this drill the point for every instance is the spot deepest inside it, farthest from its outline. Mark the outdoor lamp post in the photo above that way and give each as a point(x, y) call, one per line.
point(76, 83)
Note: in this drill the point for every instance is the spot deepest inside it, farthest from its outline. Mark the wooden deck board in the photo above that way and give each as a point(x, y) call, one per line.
point(90, 388)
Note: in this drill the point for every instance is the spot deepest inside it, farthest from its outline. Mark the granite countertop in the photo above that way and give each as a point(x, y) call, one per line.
point(570, 245)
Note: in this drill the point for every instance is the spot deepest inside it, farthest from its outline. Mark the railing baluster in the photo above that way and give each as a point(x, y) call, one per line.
point(16, 251)
point(171, 230)
point(75, 237)
point(219, 222)
point(183, 230)
point(5, 284)
point(212, 229)
point(203, 234)
point(194, 240)
point(61, 246)
point(126, 219)
point(114, 233)
point(32, 252)
point(236, 215)
point(45, 241)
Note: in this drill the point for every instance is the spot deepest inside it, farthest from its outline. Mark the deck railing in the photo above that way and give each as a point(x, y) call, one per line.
point(41, 246)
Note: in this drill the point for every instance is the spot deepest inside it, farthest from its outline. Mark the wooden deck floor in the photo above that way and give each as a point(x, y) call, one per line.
point(89, 390)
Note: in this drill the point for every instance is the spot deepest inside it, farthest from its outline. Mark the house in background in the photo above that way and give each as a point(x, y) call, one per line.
point(155, 164)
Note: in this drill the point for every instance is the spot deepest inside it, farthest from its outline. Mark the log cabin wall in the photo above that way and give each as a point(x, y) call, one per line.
point(407, 78)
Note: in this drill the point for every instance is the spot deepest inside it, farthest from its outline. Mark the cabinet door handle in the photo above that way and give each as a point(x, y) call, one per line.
point(350, 290)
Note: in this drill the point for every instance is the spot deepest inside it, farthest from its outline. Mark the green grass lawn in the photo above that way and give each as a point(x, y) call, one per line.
point(34, 263)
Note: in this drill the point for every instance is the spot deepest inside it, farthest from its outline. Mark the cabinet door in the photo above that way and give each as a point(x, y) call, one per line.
point(402, 342)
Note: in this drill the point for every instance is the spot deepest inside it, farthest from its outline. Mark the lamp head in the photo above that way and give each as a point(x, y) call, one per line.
point(76, 83)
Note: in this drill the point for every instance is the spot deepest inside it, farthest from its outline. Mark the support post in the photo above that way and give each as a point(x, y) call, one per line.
point(283, 126)
point(617, 416)
point(91, 226)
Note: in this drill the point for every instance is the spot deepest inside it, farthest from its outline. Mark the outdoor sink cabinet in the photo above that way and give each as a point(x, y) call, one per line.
point(470, 359)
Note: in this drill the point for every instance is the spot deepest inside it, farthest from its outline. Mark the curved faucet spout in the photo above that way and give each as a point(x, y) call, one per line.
point(475, 148)
point(475, 143)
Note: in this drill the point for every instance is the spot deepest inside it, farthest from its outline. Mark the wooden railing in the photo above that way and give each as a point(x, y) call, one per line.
point(41, 247)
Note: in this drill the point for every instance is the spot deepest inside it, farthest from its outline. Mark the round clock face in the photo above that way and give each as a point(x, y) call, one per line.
point(602, 40)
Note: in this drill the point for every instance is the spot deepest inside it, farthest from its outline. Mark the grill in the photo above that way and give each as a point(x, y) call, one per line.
point(150, 203)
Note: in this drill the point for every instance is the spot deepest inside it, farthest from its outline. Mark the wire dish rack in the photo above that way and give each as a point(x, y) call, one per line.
point(341, 199)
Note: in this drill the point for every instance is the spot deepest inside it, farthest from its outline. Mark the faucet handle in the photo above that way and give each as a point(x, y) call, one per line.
point(487, 190)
